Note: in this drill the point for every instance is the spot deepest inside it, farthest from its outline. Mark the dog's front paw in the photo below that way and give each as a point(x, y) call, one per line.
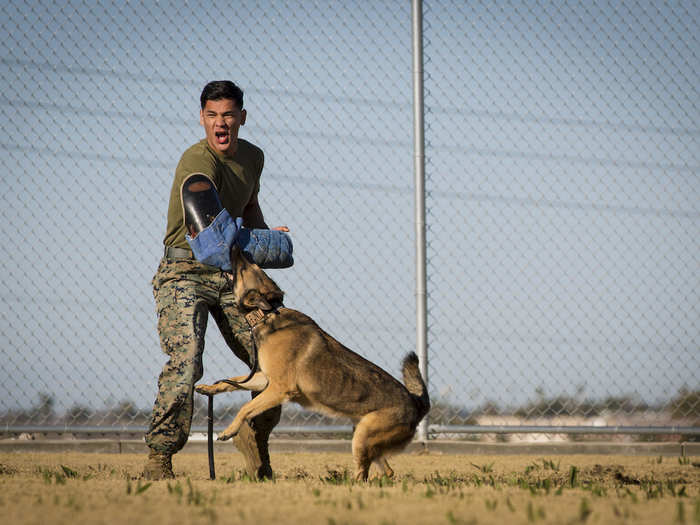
point(225, 436)
point(208, 390)
point(229, 432)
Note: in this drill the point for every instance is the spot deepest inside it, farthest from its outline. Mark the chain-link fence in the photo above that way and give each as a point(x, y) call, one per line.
point(562, 193)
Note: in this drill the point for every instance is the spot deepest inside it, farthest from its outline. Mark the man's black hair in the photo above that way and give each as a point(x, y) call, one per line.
point(219, 89)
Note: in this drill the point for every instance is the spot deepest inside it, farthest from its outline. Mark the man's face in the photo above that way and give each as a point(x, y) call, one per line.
point(221, 120)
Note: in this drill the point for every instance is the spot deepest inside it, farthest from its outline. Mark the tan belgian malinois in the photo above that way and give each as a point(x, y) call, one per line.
point(300, 362)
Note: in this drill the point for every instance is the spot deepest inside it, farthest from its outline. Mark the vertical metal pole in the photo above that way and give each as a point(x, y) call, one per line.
point(210, 436)
point(419, 174)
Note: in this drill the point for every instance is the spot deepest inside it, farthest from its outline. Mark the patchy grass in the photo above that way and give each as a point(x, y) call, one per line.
point(320, 488)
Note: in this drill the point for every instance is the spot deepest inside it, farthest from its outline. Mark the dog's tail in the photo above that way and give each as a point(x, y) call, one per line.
point(415, 385)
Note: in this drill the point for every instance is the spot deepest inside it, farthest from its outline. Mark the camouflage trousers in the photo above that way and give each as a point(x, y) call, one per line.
point(186, 292)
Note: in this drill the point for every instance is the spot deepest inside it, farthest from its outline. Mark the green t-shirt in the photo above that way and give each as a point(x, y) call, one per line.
point(236, 178)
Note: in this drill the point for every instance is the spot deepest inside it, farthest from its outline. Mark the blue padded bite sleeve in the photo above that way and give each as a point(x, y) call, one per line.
point(212, 245)
point(266, 248)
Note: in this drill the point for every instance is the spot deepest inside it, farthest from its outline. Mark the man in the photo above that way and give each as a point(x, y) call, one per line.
point(186, 291)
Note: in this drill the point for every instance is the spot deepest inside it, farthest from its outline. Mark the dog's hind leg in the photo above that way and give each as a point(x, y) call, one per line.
point(376, 434)
point(363, 454)
point(268, 398)
point(360, 454)
point(383, 466)
point(256, 383)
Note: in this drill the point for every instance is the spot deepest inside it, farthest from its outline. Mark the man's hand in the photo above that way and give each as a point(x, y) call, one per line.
point(267, 247)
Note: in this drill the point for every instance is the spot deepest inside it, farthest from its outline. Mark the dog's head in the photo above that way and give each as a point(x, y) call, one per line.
point(253, 288)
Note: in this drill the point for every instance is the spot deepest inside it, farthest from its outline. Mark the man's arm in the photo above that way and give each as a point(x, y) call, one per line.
point(253, 215)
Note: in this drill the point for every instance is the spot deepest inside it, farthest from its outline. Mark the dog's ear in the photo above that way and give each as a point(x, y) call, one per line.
point(253, 299)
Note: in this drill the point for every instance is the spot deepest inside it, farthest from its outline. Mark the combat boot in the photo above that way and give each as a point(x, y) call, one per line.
point(159, 466)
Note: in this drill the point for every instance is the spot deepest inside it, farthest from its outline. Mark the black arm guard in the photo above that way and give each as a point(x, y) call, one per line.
point(200, 202)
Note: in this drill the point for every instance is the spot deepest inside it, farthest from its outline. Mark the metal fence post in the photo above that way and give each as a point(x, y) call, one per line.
point(419, 173)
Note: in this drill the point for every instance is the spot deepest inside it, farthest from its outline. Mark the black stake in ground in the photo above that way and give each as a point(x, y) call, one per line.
point(210, 436)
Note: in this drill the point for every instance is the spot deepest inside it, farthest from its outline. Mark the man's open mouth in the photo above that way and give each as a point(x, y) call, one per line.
point(222, 137)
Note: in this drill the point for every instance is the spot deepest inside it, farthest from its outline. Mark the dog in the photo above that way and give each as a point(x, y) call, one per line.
point(299, 362)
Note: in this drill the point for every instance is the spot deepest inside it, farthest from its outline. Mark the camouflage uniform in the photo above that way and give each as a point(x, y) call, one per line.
point(186, 291)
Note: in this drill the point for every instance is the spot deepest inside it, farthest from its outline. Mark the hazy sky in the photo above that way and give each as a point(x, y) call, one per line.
point(563, 187)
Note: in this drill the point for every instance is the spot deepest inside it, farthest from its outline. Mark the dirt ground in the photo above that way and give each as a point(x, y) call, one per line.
point(311, 488)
